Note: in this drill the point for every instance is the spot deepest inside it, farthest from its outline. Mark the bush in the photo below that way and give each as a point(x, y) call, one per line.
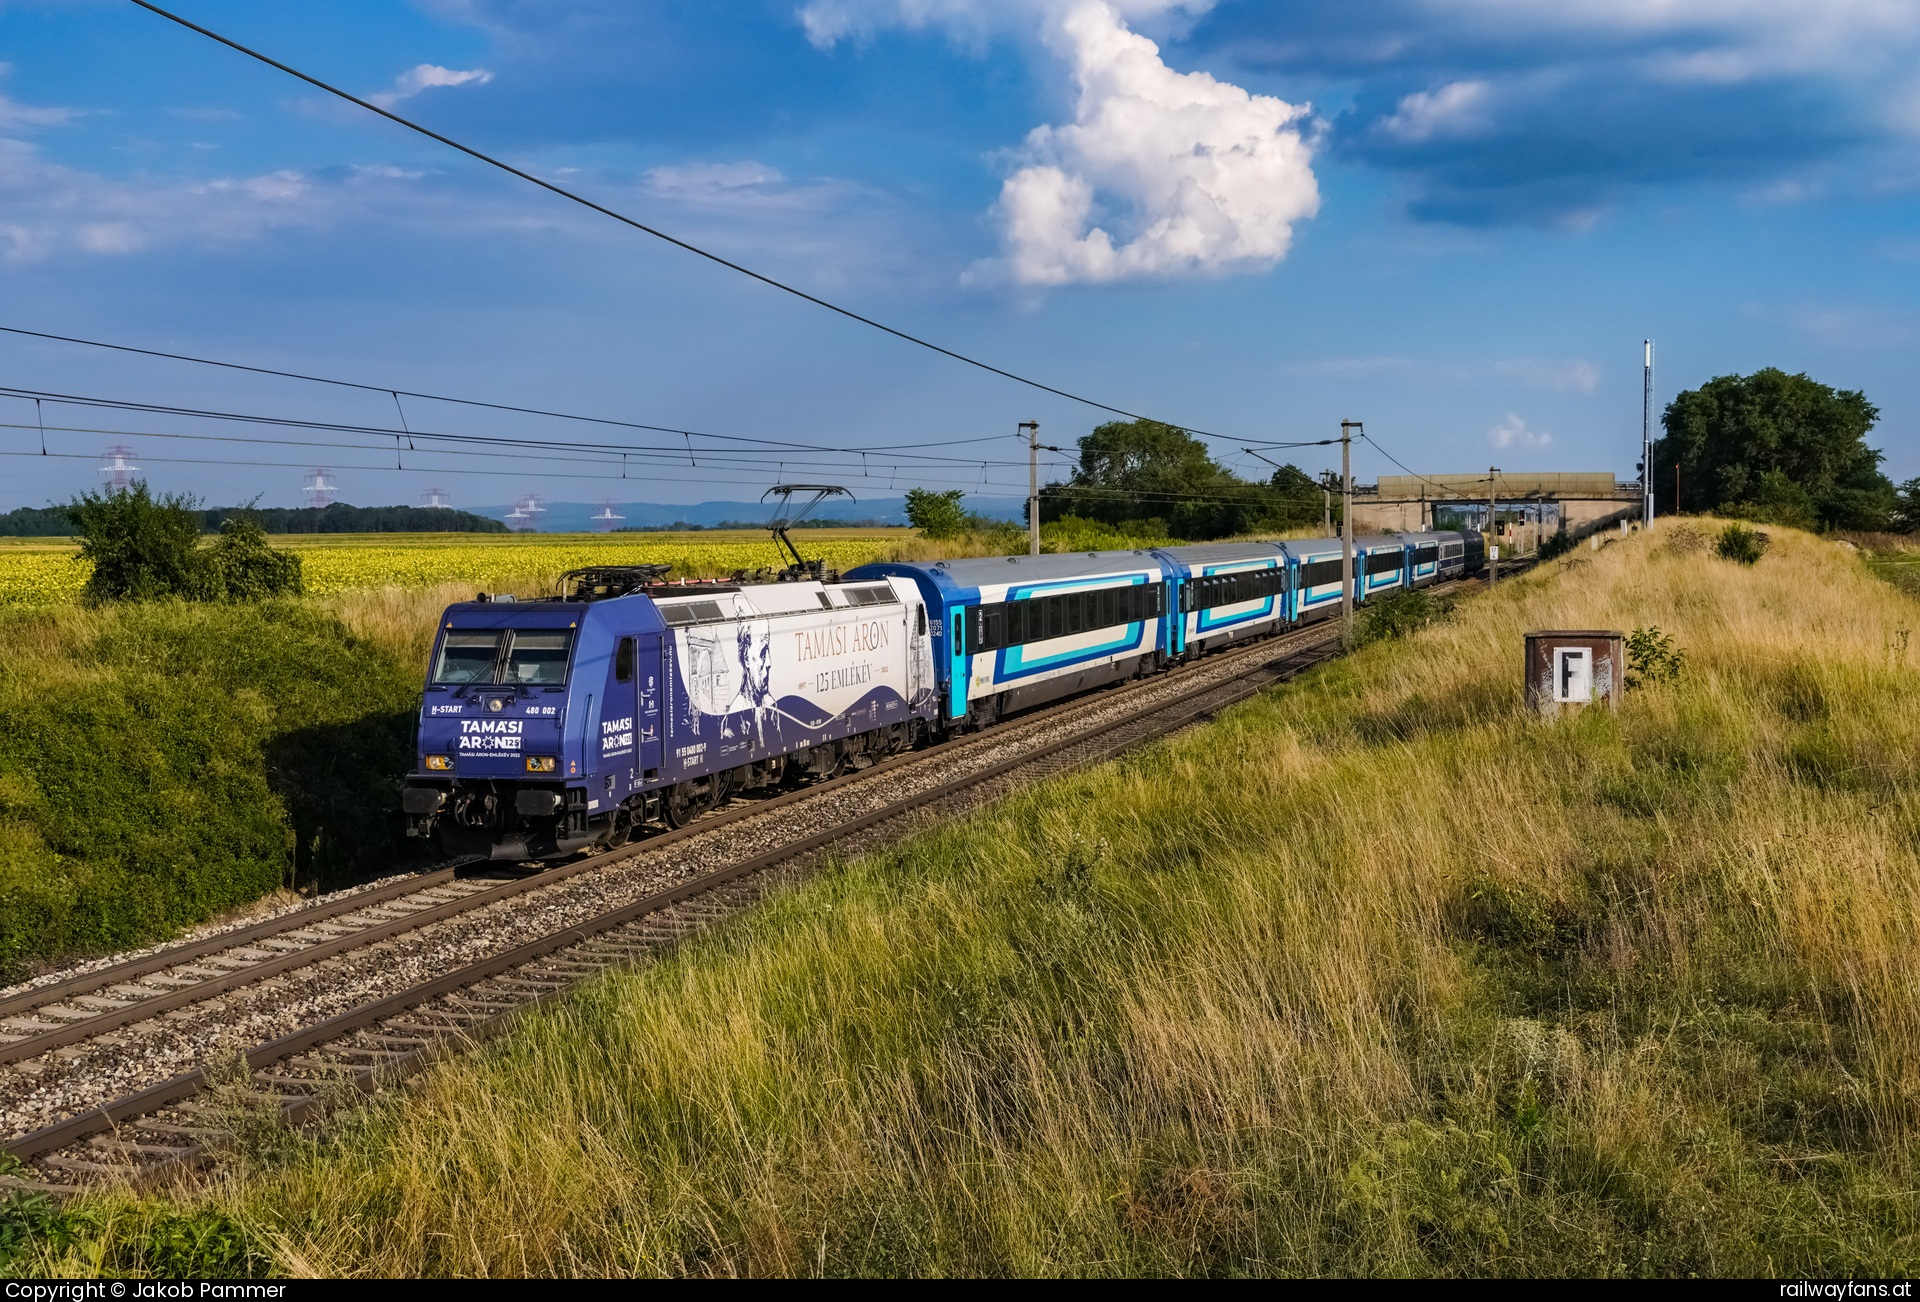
point(1398, 614)
point(1073, 533)
point(936, 515)
point(1652, 658)
point(142, 547)
point(1684, 540)
point(1740, 544)
point(242, 566)
point(1559, 545)
point(147, 548)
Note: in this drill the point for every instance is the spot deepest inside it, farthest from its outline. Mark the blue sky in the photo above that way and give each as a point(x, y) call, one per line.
point(1452, 219)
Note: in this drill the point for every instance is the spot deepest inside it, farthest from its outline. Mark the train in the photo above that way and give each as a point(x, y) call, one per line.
point(629, 702)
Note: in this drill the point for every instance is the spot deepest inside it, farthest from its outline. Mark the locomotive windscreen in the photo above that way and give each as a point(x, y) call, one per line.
point(525, 657)
point(539, 659)
point(468, 657)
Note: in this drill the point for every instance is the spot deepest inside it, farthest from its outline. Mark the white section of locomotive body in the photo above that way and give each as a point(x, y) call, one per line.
point(773, 668)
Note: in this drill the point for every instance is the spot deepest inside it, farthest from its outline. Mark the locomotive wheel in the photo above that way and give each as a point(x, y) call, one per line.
point(622, 830)
point(681, 805)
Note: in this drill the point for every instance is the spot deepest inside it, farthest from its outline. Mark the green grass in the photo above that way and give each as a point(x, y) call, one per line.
point(1375, 975)
point(166, 761)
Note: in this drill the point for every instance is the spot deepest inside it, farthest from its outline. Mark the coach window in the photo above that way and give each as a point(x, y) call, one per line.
point(623, 661)
point(993, 626)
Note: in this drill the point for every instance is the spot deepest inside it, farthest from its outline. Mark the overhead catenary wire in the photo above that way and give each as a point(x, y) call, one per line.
point(446, 398)
point(1445, 488)
point(605, 211)
point(1011, 488)
point(604, 467)
point(388, 431)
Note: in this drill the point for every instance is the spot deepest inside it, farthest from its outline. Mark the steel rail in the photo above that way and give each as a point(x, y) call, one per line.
point(141, 1009)
point(1180, 709)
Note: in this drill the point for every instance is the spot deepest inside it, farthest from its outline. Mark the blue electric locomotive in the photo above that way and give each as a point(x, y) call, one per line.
point(549, 726)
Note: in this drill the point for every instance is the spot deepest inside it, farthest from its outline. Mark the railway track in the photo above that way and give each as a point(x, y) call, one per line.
point(467, 955)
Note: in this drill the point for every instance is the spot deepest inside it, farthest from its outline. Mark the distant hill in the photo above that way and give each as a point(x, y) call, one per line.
point(52, 522)
point(577, 517)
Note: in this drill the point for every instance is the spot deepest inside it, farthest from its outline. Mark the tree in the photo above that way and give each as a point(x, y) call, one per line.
point(1142, 470)
point(1776, 447)
point(1905, 517)
point(1297, 498)
point(937, 515)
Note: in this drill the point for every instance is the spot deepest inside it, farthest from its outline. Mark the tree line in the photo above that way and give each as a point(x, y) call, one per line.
point(1145, 477)
point(58, 521)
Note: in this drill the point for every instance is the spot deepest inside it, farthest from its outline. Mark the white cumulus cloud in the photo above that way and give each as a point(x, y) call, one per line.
point(1195, 174)
point(1458, 108)
point(1160, 173)
point(1514, 432)
point(426, 76)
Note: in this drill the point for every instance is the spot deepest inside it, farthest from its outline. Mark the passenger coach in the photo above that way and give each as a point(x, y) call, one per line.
point(1015, 631)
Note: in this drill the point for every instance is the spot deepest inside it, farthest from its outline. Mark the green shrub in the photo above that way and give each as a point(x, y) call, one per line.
point(142, 548)
point(242, 566)
point(1073, 533)
point(1557, 546)
point(1652, 658)
point(937, 514)
point(1740, 544)
point(164, 761)
point(1398, 614)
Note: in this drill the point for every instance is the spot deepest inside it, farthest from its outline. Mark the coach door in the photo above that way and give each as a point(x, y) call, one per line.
point(640, 657)
point(919, 654)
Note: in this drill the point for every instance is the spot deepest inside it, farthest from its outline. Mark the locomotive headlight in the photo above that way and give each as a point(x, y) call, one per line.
point(440, 763)
point(539, 763)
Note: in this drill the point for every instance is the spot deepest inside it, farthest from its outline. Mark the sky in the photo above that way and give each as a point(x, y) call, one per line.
point(1452, 220)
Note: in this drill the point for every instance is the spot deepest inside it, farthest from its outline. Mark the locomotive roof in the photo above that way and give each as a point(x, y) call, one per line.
point(1014, 569)
point(1203, 553)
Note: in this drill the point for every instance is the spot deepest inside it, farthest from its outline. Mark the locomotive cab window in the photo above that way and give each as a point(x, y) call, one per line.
point(539, 658)
point(468, 656)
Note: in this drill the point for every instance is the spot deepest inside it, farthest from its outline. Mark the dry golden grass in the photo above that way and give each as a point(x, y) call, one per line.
point(1374, 975)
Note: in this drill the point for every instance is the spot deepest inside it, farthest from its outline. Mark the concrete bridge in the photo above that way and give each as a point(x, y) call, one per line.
point(1529, 502)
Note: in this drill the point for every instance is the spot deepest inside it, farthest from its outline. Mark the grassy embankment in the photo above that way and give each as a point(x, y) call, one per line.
point(1373, 975)
point(162, 764)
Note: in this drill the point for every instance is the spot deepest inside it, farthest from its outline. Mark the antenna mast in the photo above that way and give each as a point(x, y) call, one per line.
point(1646, 442)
